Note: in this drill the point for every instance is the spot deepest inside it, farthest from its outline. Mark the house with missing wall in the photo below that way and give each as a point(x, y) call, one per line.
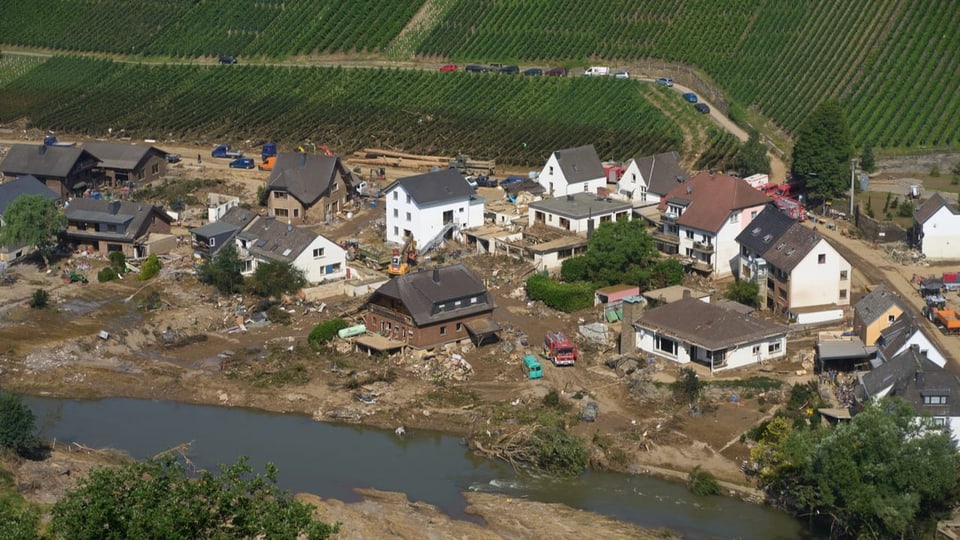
point(578, 213)
point(877, 310)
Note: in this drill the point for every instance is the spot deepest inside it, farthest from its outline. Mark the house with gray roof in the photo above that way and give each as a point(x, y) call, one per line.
point(798, 272)
point(875, 311)
point(578, 213)
point(913, 377)
point(430, 308)
point(123, 164)
point(307, 188)
point(689, 330)
point(573, 170)
point(207, 240)
point(67, 170)
point(431, 207)
point(267, 239)
point(9, 192)
point(647, 179)
point(906, 332)
point(135, 229)
point(936, 228)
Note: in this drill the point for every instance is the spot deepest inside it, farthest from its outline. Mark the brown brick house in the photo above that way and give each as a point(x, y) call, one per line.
point(123, 163)
point(430, 308)
point(103, 226)
point(306, 187)
point(67, 170)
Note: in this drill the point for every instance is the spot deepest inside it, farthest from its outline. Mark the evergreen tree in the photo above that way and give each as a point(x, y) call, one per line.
point(867, 161)
point(821, 155)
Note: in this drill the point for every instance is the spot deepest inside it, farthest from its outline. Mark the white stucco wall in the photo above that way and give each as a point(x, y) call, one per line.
point(425, 223)
point(315, 268)
point(577, 225)
point(552, 180)
point(941, 236)
point(633, 185)
point(815, 284)
point(743, 355)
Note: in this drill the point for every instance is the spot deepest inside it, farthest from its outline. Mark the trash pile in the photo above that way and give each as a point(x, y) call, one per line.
point(442, 365)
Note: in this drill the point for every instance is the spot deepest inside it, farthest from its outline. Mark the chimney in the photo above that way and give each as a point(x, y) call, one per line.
point(303, 159)
point(628, 335)
point(569, 196)
point(686, 294)
point(113, 207)
point(436, 275)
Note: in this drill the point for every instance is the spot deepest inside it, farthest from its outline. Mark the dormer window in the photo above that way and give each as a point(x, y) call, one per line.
point(551, 170)
point(934, 400)
point(755, 231)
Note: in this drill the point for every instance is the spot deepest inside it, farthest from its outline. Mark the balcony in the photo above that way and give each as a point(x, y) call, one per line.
point(666, 238)
point(701, 266)
point(391, 314)
point(704, 247)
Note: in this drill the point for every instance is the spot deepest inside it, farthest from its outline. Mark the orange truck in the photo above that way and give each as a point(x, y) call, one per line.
point(267, 164)
point(948, 319)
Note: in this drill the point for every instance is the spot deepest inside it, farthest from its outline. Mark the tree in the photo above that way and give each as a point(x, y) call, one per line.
point(223, 271)
point(18, 425)
point(617, 252)
point(688, 386)
point(33, 220)
point(752, 157)
point(745, 292)
point(867, 161)
point(151, 267)
point(323, 333)
point(276, 278)
point(821, 155)
point(956, 174)
point(157, 499)
point(19, 522)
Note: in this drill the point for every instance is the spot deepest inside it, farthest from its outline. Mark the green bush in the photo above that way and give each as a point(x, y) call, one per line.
point(566, 297)
point(40, 299)
point(558, 452)
point(905, 209)
point(737, 115)
point(151, 267)
point(18, 425)
point(106, 274)
point(118, 261)
point(324, 332)
point(702, 483)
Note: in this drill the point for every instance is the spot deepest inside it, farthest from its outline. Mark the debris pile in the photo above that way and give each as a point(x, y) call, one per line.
point(443, 365)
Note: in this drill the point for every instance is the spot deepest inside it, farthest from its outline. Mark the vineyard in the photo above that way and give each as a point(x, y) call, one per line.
point(187, 28)
point(518, 120)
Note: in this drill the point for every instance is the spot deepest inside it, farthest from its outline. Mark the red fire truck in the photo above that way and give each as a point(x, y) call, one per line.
point(559, 349)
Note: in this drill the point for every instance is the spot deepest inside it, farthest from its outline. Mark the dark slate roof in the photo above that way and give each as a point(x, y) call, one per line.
point(913, 376)
point(579, 164)
point(23, 185)
point(895, 336)
point(875, 304)
point(277, 241)
point(765, 230)
point(41, 160)
point(581, 205)
point(931, 206)
point(662, 172)
point(529, 185)
point(238, 216)
point(711, 198)
point(434, 187)
point(119, 156)
point(304, 176)
point(706, 325)
point(111, 212)
point(214, 229)
point(421, 291)
point(794, 244)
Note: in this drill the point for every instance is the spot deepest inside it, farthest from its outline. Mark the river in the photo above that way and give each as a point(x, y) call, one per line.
point(331, 460)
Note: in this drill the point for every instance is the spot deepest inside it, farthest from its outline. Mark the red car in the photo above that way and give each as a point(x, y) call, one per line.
point(557, 72)
point(448, 67)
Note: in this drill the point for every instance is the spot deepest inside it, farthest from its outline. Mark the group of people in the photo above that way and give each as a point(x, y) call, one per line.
point(843, 385)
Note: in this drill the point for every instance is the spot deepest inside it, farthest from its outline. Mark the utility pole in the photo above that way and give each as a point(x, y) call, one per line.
point(853, 175)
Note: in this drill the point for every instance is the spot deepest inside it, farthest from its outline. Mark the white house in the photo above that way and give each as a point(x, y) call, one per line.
point(936, 229)
point(430, 207)
point(574, 170)
point(267, 239)
point(646, 180)
point(903, 334)
point(702, 217)
point(218, 205)
point(693, 331)
point(579, 213)
point(795, 267)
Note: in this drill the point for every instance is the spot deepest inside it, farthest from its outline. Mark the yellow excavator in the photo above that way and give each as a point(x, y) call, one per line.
point(403, 258)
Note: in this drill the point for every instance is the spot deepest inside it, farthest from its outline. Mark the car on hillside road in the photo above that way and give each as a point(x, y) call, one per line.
point(702, 108)
point(448, 67)
point(173, 158)
point(243, 163)
point(557, 72)
point(227, 59)
point(621, 75)
point(691, 97)
point(534, 72)
point(474, 68)
point(510, 70)
point(665, 81)
point(590, 412)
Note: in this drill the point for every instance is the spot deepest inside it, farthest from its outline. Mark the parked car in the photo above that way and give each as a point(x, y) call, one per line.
point(621, 75)
point(702, 108)
point(243, 163)
point(691, 97)
point(486, 181)
point(494, 67)
point(590, 412)
point(474, 68)
point(665, 81)
point(227, 59)
point(173, 158)
point(448, 67)
point(535, 72)
point(557, 72)
point(510, 70)
point(470, 180)
point(512, 179)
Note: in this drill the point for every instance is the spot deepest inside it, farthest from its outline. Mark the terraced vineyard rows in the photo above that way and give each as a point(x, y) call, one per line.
point(892, 63)
point(12, 67)
point(515, 119)
point(186, 28)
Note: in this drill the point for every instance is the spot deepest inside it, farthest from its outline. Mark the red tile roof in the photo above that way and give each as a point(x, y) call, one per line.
point(711, 198)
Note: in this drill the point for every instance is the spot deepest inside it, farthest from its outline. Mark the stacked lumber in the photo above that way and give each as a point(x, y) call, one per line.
point(392, 158)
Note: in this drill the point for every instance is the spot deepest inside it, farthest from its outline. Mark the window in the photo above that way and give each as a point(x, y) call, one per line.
point(396, 212)
point(734, 216)
point(279, 194)
point(586, 188)
point(459, 327)
point(934, 400)
point(443, 330)
point(461, 210)
point(690, 235)
point(843, 275)
point(336, 186)
point(396, 195)
point(822, 258)
point(474, 300)
point(396, 231)
point(156, 168)
point(296, 212)
point(317, 253)
point(665, 345)
point(891, 318)
point(843, 294)
point(409, 216)
point(773, 348)
point(940, 421)
point(457, 303)
point(281, 212)
point(753, 215)
point(409, 199)
point(212, 242)
point(551, 170)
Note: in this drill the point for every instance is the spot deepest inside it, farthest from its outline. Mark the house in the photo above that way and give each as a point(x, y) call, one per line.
point(267, 239)
point(207, 240)
point(701, 218)
point(936, 229)
point(905, 332)
point(693, 331)
point(66, 170)
point(431, 207)
point(913, 377)
point(574, 170)
point(794, 267)
point(218, 205)
point(673, 293)
point(307, 187)
point(611, 299)
point(877, 310)
point(9, 192)
point(120, 164)
point(646, 180)
point(135, 229)
point(579, 213)
point(433, 307)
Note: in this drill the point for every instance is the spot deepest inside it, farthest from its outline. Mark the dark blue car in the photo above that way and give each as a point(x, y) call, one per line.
point(691, 97)
point(242, 163)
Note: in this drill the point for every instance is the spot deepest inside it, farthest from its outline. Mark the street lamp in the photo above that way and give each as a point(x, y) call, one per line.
point(853, 174)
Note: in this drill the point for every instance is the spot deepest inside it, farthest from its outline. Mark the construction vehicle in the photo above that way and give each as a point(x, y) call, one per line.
point(373, 258)
point(268, 163)
point(403, 258)
point(559, 349)
point(269, 149)
point(368, 190)
point(947, 319)
point(464, 165)
point(226, 151)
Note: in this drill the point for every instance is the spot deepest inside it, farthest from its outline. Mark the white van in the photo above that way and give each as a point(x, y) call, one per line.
point(597, 70)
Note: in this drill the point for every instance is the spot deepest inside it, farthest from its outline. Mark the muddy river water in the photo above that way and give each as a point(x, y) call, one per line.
point(331, 460)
